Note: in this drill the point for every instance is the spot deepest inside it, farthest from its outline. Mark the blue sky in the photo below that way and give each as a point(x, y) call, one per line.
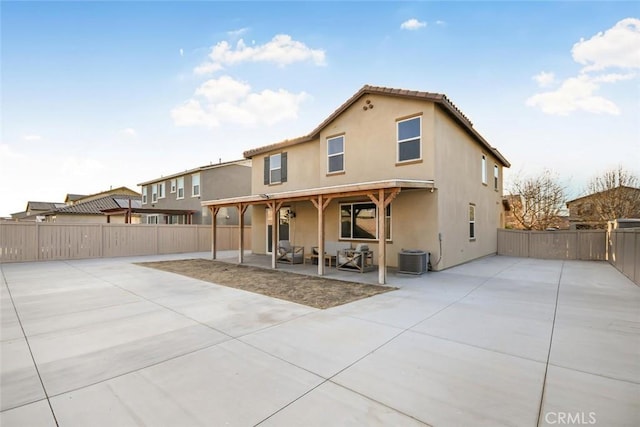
point(105, 94)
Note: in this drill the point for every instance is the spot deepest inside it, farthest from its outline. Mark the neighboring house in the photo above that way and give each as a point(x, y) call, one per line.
point(176, 199)
point(93, 208)
point(35, 211)
point(512, 203)
point(593, 211)
point(412, 155)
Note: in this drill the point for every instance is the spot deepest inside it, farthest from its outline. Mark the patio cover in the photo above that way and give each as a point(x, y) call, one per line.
point(380, 192)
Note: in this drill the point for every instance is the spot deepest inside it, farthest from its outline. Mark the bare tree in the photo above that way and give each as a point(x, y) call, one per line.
point(540, 201)
point(615, 194)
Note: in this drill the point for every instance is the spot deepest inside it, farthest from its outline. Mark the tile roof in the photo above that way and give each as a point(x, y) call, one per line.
point(43, 206)
point(439, 99)
point(95, 207)
point(241, 162)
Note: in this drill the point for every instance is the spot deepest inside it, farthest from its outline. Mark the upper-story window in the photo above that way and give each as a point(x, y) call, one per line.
point(154, 193)
point(275, 169)
point(161, 190)
point(195, 185)
point(144, 195)
point(409, 139)
point(496, 176)
point(484, 169)
point(180, 188)
point(172, 186)
point(335, 154)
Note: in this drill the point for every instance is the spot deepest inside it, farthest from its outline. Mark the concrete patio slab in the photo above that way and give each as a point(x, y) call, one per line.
point(444, 383)
point(236, 313)
point(333, 405)
point(594, 399)
point(121, 344)
point(322, 342)
point(34, 414)
point(19, 382)
point(229, 384)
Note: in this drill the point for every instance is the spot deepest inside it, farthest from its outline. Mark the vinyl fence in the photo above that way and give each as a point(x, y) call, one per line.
point(42, 242)
point(620, 247)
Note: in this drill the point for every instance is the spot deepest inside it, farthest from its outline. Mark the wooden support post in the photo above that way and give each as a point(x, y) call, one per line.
point(241, 210)
point(275, 209)
point(320, 236)
point(214, 212)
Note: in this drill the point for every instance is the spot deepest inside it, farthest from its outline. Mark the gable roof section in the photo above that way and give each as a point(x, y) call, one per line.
point(42, 206)
point(96, 206)
point(241, 162)
point(439, 99)
point(588, 196)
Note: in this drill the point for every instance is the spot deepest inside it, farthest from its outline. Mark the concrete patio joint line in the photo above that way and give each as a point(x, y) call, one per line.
point(35, 365)
point(553, 327)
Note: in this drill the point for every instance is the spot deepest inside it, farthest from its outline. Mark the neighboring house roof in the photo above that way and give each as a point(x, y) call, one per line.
point(588, 196)
point(74, 197)
point(96, 206)
point(241, 162)
point(113, 192)
point(439, 99)
point(43, 206)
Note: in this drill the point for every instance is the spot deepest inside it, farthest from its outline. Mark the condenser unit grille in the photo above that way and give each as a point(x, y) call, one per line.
point(412, 262)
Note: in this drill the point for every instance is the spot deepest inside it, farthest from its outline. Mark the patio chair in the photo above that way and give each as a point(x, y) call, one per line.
point(359, 259)
point(290, 254)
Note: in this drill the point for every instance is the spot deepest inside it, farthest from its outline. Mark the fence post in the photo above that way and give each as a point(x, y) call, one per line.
point(528, 243)
point(37, 241)
point(157, 239)
point(101, 241)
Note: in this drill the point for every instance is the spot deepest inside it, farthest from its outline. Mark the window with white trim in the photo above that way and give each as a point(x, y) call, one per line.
point(195, 185)
point(144, 195)
point(154, 193)
point(472, 222)
point(358, 221)
point(275, 168)
point(409, 139)
point(180, 188)
point(496, 176)
point(172, 186)
point(335, 154)
point(161, 187)
point(484, 169)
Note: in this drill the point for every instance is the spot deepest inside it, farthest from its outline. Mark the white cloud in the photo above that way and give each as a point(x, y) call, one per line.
point(32, 137)
point(207, 68)
point(545, 79)
point(226, 100)
point(238, 32)
point(412, 24)
point(281, 50)
point(618, 47)
point(129, 132)
point(439, 22)
point(181, 52)
point(575, 94)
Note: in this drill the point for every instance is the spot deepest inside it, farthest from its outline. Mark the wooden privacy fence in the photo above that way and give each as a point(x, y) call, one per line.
point(620, 247)
point(42, 241)
point(561, 244)
point(624, 252)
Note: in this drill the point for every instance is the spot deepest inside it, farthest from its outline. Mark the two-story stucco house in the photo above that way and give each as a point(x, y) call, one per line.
point(392, 168)
point(177, 198)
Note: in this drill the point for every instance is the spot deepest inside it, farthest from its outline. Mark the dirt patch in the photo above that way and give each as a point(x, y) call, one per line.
point(313, 291)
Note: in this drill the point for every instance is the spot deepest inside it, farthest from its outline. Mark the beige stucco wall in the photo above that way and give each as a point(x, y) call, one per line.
point(459, 184)
point(450, 157)
point(413, 225)
point(370, 148)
